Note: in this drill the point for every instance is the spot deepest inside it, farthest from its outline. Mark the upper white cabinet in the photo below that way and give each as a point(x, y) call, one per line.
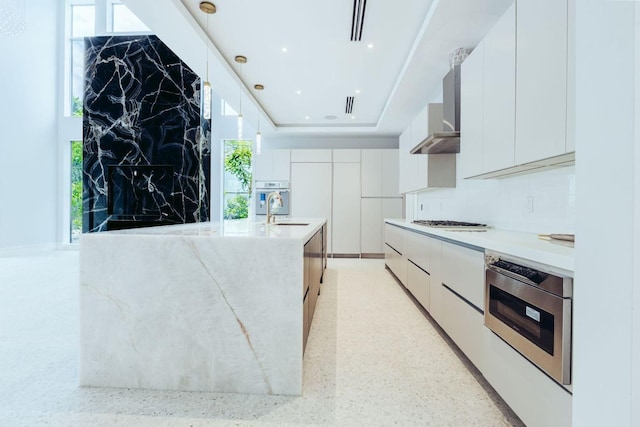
point(272, 165)
point(311, 155)
point(499, 93)
point(514, 94)
point(541, 79)
point(472, 113)
point(346, 155)
point(428, 121)
point(379, 173)
point(407, 163)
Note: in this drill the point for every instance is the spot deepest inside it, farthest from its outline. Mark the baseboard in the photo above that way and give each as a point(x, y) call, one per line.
point(27, 249)
point(346, 255)
point(372, 256)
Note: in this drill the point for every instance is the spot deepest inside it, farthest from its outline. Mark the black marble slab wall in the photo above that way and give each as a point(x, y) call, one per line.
point(147, 153)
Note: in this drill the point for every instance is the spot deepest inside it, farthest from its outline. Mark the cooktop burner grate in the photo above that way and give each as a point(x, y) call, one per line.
point(447, 224)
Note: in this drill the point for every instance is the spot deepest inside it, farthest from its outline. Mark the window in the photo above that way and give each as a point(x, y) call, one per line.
point(76, 191)
point(237, 179)
point(82, 23)
point(122, 20)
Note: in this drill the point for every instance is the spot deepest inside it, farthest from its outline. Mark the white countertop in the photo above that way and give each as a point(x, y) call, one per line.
point(527, 246)
point(230, 228)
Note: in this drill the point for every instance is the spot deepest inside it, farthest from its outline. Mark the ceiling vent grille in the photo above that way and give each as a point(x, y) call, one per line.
point(349, 108)
point(357, 21)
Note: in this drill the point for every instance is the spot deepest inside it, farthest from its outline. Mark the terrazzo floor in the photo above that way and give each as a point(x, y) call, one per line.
point(373, 359)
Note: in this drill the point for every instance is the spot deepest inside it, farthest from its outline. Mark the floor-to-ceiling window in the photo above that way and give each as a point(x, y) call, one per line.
point(237, 178)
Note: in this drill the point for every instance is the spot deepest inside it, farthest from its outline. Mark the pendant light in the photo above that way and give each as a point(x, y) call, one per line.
point(240, 120)
point(208, 8)
point(258, 139)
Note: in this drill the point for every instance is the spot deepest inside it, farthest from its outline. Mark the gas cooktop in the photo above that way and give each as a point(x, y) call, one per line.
point(451, 225)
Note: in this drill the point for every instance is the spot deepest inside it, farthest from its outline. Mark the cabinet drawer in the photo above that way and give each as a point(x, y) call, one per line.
point(417, 250)
point(396, 263)
point(523, 386)
point(465, 325)
point(463, 271)
point(418, 283)
point(394, 237)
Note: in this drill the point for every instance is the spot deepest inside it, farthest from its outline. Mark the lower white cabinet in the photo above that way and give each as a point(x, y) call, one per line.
point(418, 283)
point(537, 400)
point(463, 272)
point(393, 256)
point(373, 211)
point(464, 324)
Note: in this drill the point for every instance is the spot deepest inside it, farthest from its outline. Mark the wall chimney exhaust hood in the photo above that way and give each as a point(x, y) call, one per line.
point(446, 140)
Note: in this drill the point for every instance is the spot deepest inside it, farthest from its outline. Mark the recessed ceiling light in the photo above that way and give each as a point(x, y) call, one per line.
point(353, 117)
point(357, 90)
point(258, 87)
point(330, 117)
point(306, 117)
point(298, 91)
point(370, 46)
point(241, 59)
point(285, 50)
point(207, 7)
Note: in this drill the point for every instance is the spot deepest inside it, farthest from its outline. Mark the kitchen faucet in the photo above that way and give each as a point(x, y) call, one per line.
point(277, 199)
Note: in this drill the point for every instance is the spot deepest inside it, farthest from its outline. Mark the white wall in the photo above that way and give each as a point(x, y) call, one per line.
point(542, 202)
point(606, 333)
point(28, 156)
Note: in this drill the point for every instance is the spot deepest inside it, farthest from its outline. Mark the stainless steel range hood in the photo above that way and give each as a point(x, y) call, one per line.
point(447, 140)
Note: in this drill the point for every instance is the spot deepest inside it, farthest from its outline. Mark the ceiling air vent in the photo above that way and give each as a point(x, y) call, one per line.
point(357, 21)
point(349, 108)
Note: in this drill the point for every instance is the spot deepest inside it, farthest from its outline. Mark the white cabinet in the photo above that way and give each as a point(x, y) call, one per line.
point(537, 400)
point(373, 213)
point(346, 155)
point(310, 155)
point(418, 283)
point(488, 96)
point(472, 109)
point(407, 163)
point(463, 272)
point(428, 121)
point(465, 325)
point(346, 209)
point(380, 173)
point(394, 247)
point(272, 165)
point(541, 79)
point(499, 94)
point(311, 192)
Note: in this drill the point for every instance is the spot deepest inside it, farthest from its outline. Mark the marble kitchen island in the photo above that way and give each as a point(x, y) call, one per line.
point(200, 307)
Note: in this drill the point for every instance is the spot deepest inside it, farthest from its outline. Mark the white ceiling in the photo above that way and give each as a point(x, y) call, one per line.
point(396, 77)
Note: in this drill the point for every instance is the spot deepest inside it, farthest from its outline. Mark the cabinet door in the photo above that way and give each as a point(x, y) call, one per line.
point(500, 94)
point(472, 113)
point(346, 208)
point(390, 173)
point(311, 192)
point(463, 271)
point(346, 155)
point(371, 225)
point(406, 163)
point(310, 155)
point(392, 208)
point(272, 165)
point(418, 284)
point(372, 180)
point(541, 79)
point(435, 280)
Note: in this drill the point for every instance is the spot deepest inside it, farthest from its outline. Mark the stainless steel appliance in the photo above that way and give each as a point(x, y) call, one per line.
point(263, 188)
point(448, 139)
point(530, 309)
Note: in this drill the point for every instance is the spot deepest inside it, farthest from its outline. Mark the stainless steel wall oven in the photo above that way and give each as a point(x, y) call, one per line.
point(531, 310)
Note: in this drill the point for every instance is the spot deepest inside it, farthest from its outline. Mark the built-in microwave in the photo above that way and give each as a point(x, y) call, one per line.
point(531, 310)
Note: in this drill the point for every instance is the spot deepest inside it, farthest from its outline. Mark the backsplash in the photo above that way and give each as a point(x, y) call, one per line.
point(540, 202)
